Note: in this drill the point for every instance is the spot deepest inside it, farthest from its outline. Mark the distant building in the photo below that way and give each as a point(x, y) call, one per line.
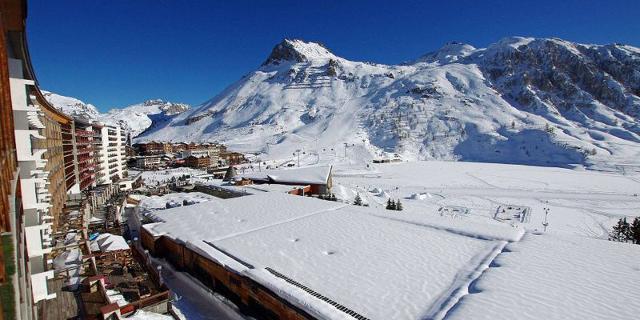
point(233, 158)
point(198, 162)
point(314, 180)
point(148, 162)
point(153, 148)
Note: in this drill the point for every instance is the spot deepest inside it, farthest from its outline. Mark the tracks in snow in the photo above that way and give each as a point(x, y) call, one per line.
point(463, 284)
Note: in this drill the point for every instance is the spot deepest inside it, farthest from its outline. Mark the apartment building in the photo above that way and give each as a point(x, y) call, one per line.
point(85, 158)
point(32, 187)
point(113, 157)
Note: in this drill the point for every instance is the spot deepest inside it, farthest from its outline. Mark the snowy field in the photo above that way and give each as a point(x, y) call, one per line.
point(584, 203)
point(445, 255)
point(557, 277)
point(450, 254)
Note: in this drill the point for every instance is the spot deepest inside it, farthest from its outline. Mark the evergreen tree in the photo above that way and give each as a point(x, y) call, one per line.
point(635, 230)
point(398, 205)
point(621, 232)
point(357, 201)
point(391, 204)
point(333, 197)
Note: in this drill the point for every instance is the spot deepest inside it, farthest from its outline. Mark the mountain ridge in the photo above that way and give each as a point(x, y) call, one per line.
point(134, 119)
point(535, 101)
point(522, 100)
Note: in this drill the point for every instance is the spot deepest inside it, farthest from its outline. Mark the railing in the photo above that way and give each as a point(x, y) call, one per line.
point(84, 133)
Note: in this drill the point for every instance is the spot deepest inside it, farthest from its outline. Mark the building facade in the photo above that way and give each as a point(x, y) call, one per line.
point(113, 157)
point(33, 170)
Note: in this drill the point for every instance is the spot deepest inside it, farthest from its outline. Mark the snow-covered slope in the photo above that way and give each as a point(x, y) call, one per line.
point(521, 100)
point(135, 118)
point(72, 106)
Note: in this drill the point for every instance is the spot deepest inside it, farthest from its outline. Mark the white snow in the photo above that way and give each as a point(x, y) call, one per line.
point(107, 242)
point(443, 106)
point(134, 118)
point(72, 106)
point(159, 177)
point(146, 315)
point(446, 255)
point(298, 176)
point(337, 250)
point(152, 203)
point(557, 277)
point(586, 203)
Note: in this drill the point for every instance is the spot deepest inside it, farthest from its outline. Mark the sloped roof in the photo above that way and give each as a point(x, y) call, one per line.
point(109, 242)
point(299, 176)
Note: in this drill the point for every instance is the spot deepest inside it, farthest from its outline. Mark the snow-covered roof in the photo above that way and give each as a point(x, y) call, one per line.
point(555, 276)
point(160, 202)
point(381, 264)
point(107, 242)
point(299, 176)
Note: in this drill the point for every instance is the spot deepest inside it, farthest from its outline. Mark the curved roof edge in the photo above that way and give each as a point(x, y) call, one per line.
point(19, 26)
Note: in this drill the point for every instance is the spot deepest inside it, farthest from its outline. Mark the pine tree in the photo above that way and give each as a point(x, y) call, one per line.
point(621, 232)
point(357, 201)
point(391, 204)
point(398, 205)
point(635, 230)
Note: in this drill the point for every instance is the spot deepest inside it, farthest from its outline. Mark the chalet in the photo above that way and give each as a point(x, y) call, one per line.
point(312, 180)
point(233, 158)
point(179, 147)
point(153, 148)
point(198, 162)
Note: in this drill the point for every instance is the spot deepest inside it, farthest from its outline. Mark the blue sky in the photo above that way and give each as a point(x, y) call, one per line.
point(113, 53)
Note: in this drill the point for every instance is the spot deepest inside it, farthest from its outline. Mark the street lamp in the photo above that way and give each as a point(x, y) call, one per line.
point(545, 223)
point(297, 153)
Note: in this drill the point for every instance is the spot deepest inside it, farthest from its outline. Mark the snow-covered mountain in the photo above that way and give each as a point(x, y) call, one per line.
point(520, 100)
point(138, 117)
point(72, 106)
point(135, 118)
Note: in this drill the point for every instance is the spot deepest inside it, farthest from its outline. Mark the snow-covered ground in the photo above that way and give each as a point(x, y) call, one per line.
point(553, 276)
point(159, 177)
point(584, 203)
point(445, 255)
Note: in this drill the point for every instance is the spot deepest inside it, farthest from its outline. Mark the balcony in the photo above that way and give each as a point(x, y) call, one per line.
point(84, 133)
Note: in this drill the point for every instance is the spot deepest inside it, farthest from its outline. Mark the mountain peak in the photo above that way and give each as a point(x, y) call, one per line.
point(296, 50)
point(152, 102)
point(450, 52)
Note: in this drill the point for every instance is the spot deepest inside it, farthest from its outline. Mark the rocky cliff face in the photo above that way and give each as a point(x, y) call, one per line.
point(520, 100)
